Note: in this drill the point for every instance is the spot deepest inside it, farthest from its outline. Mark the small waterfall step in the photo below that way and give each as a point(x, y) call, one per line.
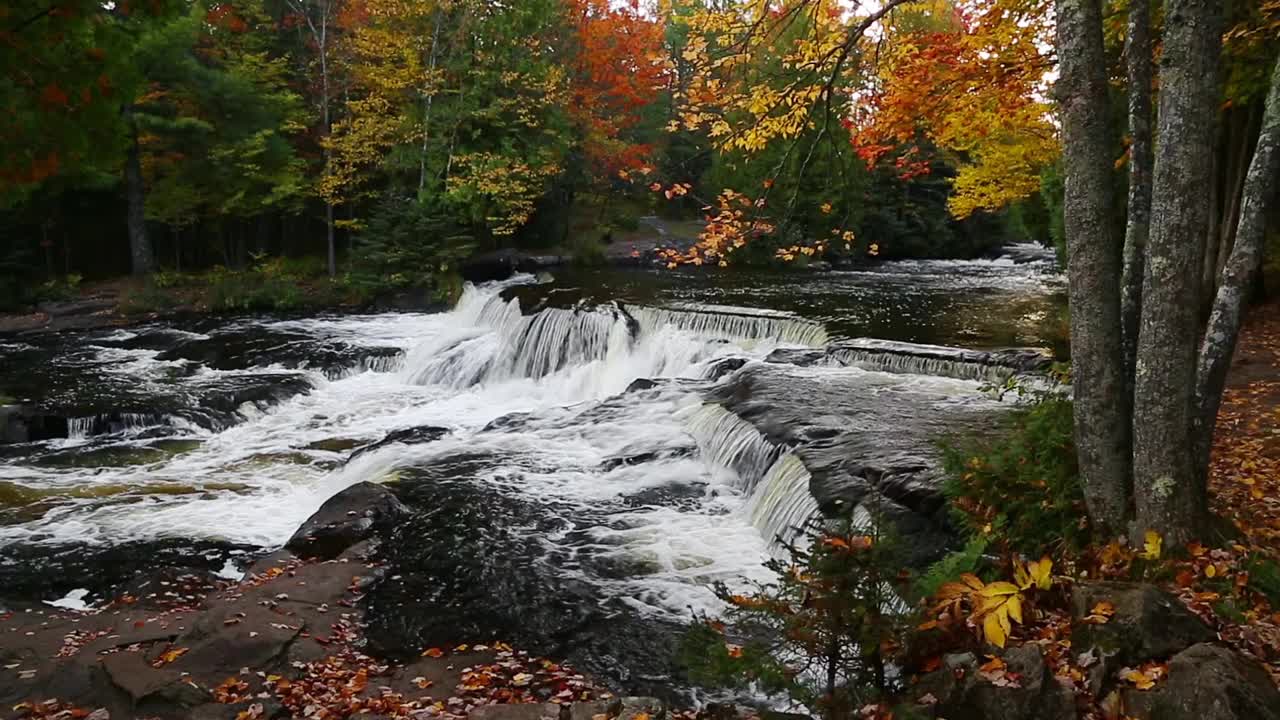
point(843, 441)
point(919, 359)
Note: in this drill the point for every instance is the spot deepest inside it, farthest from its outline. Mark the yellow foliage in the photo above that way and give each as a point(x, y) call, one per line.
point(1151, 546)
point(994, 607)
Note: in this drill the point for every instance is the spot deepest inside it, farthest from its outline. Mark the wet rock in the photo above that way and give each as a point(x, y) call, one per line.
point(1148, 624)
point(959, 692)
point(527, 711)
point(725, 367)
point(20, 424)
point(1208, 682)
point(502, 264)
point(407, 436)
point(726, 711)
point(35, 573)
point(241, 348)
point(335, 444)
point(344, 520)
point(642, 384)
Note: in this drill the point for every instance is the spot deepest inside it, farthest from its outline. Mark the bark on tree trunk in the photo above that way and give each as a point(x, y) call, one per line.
point(1138, 60)
point(136, 200)
point(1237, 279)
point(1165, 476)
point(1093, 265)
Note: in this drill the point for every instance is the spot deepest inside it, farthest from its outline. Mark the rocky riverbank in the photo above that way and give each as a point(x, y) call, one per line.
point(288, 640)
point(291, 640)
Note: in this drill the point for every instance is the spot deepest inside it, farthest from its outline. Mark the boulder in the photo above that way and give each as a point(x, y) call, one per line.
point(957, 691)
point(1208, 682)
point(1148, 623)
point(344, 520)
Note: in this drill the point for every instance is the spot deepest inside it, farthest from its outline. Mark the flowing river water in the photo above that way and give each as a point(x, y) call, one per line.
point(601, 446)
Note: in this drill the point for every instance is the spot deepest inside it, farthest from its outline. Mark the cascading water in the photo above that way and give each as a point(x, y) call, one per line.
point(781, 503)
point(534, 406)
point(524, 443)
point(730, 442)
point(735, 324)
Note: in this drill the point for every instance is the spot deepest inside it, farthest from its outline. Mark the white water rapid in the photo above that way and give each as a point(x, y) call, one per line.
point(538, 395)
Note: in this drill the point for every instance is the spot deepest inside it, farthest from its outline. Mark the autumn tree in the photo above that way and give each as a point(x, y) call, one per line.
point(1178, 366)
point(319, 20)
point(216, 120)
point(971, 77)
point(458, 103)
point(617, 72)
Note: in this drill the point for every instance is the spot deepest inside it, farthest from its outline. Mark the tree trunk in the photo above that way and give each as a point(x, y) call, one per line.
point(1138, 59)
point(1093, 265)
point(1213, 227)
point(1164, 469)
point(1237, 280)
point(136, 200)
point(429, 96)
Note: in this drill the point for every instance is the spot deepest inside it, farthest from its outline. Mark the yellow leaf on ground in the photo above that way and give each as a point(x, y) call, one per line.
point(993, 630)
point(999, 588)
point(1041, 572)
point(1151, 545)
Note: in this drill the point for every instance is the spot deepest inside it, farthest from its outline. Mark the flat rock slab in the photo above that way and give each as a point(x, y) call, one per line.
point(138, 661)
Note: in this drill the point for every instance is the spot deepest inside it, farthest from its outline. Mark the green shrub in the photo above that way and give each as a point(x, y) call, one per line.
point(966, 560)
point(824, 631)
point(150, 298)
point(588, 249)
point(1021, 485)
point(251, 291)
point(408, 243)
point(166, 279)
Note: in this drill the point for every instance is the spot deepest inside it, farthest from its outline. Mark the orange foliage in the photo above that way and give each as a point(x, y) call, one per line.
point(971, 76)
point(618, 72)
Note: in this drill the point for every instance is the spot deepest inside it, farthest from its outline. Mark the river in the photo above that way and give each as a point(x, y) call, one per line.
point(597, 457)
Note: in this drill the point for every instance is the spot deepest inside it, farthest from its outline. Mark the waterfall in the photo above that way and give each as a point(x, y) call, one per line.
point(781, 504)
point(730, 442)
point(493, 341)
point(79, 428)
point(739, 326)
point(994, 366)
point(915, 365)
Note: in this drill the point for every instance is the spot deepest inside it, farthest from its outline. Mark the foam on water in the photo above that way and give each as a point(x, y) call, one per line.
point(678, 492)
point(463, 370)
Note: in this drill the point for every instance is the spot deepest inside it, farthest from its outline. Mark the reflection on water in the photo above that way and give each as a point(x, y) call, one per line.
point(1015, 300)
